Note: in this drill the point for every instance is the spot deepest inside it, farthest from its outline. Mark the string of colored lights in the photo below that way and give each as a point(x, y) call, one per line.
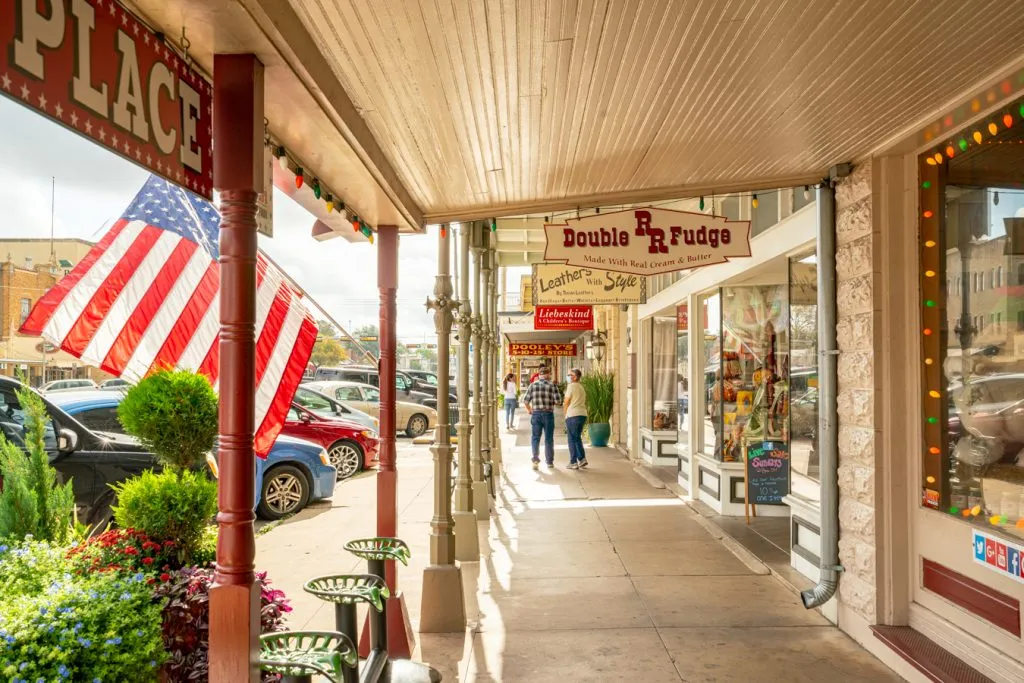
point(934, 335)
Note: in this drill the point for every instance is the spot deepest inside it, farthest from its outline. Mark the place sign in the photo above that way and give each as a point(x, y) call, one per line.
point(563, 318)
point(92, 67)
point(647, 241)
point(541, 349)
point(767, 472)
point(554, 283)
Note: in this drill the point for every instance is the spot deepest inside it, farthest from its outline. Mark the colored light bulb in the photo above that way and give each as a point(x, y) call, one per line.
point(444, 230)
point(926, 184)
point(934, 450)
point(977, 136)
point(930, 479)
point(933, 420)
point(330, 202)
point(993, 128)
point(701, 203)
point(963, 145)
point(938, 157)
point(928, 214)
point(929, 303)
point(316, 189)
point(1007, 120)
point(927, 331)
point(929, 243)
point(753, 202)
point(929, 273)
point(931, 161)
point(928, 361)
point(298, 178)
point(934, 394)
point(950, 151)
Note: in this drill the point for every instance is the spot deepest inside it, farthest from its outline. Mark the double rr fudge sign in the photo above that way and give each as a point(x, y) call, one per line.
point(91, 66)
point(647, 241)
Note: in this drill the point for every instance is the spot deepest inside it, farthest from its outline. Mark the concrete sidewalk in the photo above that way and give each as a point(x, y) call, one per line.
point(585, 576)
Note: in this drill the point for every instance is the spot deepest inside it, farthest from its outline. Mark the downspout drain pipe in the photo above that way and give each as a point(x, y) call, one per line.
point(828, 428)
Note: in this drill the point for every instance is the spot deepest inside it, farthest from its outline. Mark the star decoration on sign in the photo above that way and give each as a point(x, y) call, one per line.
point(111, 8)
point(138, 153)
point(59, 111)
point(74, 119)
point(42, 102)
point(145, 37)
point(127, 148)
point(124, 19)
point(6, 81)
point(88, 127)
point(113, 138)
point(135, 29)
point(149, 160)
point(24, 92)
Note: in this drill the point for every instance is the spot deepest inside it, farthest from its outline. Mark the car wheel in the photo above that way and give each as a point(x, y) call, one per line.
point(346, 457)
point(417, 426)
point(285, 492)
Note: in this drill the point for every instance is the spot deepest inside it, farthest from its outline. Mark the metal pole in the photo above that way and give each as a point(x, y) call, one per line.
point(496, 375)
point(467, 544)
point(485, 343)
point(828, 428)
point(481, 500)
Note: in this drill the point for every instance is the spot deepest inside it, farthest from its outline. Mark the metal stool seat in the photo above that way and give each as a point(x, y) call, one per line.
point(379, 549)
point(298, 655)
point(347, 589)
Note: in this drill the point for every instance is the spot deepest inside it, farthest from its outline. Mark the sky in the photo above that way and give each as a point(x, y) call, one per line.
point(94, 186)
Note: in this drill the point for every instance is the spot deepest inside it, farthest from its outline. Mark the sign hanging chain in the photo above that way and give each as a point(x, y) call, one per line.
point(185, 45)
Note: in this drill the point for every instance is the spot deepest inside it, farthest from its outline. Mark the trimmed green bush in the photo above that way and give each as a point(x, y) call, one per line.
point(32, 503)
point(169, 506)
point(174, 414)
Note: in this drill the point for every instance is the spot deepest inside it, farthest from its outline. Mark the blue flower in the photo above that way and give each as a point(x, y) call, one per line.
point(152, 664)
point(139, 633)
point(9, 639)
point(22, 666)
point(96, 680)
point(3, 548)
point(138, 578)
point(126, 596)
point(42, 610)
point(63, 671)
point(93, 594)
point(114, 641)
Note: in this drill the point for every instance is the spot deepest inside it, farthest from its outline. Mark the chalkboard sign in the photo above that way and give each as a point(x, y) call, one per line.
point(767, 472)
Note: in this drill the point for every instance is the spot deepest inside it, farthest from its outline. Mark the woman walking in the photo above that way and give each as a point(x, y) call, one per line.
point(509, 391)
point(575, 417)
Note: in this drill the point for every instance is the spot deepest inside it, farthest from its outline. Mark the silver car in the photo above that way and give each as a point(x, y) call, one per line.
point(318, 403)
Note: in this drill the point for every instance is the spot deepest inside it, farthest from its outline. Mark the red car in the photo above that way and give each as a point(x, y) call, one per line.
point(351, 447)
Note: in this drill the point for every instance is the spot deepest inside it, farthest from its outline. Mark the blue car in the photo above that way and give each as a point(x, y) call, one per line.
point(293, 473)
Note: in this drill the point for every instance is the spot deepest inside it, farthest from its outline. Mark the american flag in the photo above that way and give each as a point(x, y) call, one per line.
point(146, 297)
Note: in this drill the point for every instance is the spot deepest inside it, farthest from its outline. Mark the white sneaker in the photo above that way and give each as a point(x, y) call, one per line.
point(573, 466)
point(536, 465)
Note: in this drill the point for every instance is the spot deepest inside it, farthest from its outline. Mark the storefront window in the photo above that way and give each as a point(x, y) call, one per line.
point(683, 370)
point(664, 380)
point(749, 380)
point(803, 374)
point(712, 426)
point(972, 231)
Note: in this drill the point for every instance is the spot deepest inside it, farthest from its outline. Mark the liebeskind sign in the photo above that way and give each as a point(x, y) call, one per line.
point(563, 318)
point(92, 67)
point(647, 241)
point(554, 283)
point(541, 349)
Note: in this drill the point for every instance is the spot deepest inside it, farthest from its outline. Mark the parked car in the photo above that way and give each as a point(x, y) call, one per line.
point(350, 446)
point(426, 382)
point(293, 473)
point(325, 406)
point(115, 383)
point(90, 460)
point(413, 418)
point(67, 385)
point(366, 374)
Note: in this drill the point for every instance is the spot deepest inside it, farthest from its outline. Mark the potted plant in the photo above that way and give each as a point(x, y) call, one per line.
point(600, 388)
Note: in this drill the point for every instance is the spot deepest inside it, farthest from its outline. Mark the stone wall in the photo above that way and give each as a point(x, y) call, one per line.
point(856, 326)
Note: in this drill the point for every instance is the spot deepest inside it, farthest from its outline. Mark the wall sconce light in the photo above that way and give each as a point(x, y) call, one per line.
point(596, 346)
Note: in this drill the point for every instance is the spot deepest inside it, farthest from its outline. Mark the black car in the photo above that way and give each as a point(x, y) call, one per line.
point(425, 381)
point(90, 460)
point(367, 374)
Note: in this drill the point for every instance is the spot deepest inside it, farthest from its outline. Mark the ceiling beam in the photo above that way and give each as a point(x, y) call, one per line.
point(610, 199)
point(282, 26)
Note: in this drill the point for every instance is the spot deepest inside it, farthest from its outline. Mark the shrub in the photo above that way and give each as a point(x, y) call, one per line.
point(174, 414)
point(168, 506)
point(57, 626)
point(32, 503)
point(186, 621)
point(127, 551)
point(600, 388)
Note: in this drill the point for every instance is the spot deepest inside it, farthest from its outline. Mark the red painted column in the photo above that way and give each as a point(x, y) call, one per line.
point(400, 635)
point(238, 150)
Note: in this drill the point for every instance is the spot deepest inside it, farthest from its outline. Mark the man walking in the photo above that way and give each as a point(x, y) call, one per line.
point(540, 401)
point(575, 418)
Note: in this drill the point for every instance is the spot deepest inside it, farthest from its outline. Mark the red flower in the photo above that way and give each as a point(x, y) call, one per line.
point(147, 560)
point(169, 544)
point(165, 577)
point(131, 551)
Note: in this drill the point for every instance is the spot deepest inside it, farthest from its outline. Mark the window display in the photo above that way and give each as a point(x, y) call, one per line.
point(748, 378)
point(972, 233)
point(664, 378)
point(803, 376)
point(683, 370)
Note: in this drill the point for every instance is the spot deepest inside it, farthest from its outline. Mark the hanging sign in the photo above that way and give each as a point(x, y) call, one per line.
point(647, 241)
point(767, 472)
point(542, 349)
point(554, 283)
point(265, 199)
point(92, 67)
point(563, 318)
point(999, 555)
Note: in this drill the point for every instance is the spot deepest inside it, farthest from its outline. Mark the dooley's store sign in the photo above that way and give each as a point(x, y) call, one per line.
point(541, 349)
point(557, 284)
point(647, 241)
point(563, 318)
point(92, 67)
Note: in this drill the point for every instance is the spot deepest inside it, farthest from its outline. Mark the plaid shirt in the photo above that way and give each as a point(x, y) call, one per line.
point(543, 395)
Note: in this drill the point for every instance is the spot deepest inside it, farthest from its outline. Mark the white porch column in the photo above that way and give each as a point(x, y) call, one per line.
point(467, 543)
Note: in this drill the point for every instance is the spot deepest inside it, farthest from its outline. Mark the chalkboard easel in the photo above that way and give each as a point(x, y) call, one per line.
point(765, 472)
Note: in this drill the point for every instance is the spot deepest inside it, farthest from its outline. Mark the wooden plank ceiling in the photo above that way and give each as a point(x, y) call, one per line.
point(501, 107)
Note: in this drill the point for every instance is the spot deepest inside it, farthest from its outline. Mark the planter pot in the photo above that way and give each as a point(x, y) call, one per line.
point(599, 434)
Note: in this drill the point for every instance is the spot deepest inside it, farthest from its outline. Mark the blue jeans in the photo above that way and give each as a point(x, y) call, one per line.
point(574, 426)
point(510, 411)
point(543, 422)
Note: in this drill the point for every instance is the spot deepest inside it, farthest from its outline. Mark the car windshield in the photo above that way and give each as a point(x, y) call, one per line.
point(314, 402)
point(371, 395)
point(348, 394)
point(12, 422)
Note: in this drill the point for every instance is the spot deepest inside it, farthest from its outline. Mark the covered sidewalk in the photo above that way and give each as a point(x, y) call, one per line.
point(575, 582)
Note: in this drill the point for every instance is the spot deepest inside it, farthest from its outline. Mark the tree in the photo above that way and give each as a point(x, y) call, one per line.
point(173, 413)
point(327, 330)
point(327, 352)
point(368, 331)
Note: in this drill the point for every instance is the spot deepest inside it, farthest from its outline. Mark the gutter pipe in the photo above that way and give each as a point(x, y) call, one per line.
point(828, 428)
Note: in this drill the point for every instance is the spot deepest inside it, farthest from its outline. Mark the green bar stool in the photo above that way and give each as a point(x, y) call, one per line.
point(299, 655)
point(346, 591)
point(376, 551)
